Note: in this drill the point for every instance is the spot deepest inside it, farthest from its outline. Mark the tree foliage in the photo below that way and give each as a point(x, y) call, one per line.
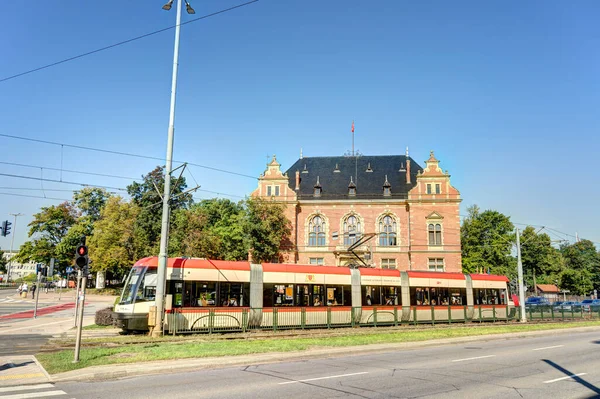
point(582, 263)
point(3, 262)
point(267, 230)
point(542, 263)
point(112, 244)
point(487, 241)
point(146, 197)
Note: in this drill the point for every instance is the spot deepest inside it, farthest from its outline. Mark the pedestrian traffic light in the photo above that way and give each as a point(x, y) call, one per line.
point(81, 256)
point(6, 228)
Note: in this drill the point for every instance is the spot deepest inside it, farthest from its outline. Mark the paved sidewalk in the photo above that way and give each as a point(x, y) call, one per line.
point(25, 369)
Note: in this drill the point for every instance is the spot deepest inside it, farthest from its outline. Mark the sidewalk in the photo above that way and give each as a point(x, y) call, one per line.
point(58, 321)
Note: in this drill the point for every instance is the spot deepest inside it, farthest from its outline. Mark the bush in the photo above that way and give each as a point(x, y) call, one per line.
point(104, 317)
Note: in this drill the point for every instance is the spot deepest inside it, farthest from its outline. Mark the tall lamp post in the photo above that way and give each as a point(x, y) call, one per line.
point(12, 241)
point(164, 229)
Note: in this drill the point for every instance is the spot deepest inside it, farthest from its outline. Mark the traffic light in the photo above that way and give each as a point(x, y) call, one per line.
point(6, 228)
point(81, 256)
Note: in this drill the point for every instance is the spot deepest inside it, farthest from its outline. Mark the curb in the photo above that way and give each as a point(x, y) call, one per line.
point(126, 370)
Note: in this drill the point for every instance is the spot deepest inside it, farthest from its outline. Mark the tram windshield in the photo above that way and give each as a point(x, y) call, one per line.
point(140, 286)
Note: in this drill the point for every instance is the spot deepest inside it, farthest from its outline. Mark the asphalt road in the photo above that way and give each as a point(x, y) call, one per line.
point(561, 365)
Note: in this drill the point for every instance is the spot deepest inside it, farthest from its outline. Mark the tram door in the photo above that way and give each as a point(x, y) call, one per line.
point(302, 295)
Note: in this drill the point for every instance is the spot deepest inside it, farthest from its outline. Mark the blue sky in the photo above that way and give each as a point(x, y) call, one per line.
point(505, 93)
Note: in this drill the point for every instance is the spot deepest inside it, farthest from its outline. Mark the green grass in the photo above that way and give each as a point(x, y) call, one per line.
point(96, 327)
point(168, 349)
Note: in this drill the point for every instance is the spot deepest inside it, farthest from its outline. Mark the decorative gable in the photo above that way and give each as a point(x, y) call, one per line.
point(434, 216)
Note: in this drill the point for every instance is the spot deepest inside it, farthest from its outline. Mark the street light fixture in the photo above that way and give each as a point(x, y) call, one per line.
point(189, 8)
point(168, 5)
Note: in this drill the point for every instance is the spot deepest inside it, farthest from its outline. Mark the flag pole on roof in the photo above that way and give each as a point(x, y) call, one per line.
point(352, 137)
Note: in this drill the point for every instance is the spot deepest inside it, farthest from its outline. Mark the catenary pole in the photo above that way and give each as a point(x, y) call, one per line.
point(164, 229)
point(80, 325)
point(521, 286)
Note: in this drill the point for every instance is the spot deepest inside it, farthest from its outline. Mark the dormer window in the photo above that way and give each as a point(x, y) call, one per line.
point(438, 189)
point(305, 170)
point(429, 189)
point(387, 188)
point(351, 188)
point(337, 169)
point(369, 170)
point(317, 188)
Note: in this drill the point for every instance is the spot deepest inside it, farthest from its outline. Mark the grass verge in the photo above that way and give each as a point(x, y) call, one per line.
point(61, 361)
point(96, 327)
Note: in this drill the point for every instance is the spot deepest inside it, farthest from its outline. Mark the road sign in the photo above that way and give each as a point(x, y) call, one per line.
point(69, 269)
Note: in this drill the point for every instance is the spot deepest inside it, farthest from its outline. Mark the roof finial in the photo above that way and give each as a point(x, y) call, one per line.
point(300, 152)
point(406, 151)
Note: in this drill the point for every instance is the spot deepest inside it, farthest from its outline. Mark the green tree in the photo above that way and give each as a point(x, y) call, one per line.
point(542, 263)
point(147, 198)
point(3, 262)
point(210, 229)
point(267, 230)
point(47, 229)
point(487, 241)
point(582, 264)
point(112, 243)
point(90, 201)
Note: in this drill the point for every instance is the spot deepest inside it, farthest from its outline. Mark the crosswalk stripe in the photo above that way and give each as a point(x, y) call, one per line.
point(34, 395)
point(26, 387)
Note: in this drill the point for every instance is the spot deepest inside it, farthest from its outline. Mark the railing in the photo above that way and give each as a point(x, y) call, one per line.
point(212, 320)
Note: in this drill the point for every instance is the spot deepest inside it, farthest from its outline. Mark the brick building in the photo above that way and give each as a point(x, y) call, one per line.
point(407, 216)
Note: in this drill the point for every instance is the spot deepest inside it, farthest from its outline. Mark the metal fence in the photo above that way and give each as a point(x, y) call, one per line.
point(215, 320)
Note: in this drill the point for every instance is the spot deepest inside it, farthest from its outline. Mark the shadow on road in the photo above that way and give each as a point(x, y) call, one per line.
point(7, 366)
point(575, 378)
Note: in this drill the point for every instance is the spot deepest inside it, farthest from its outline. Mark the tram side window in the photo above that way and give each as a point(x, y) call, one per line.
point(489, 296)
point(371, 295)
point(283, 295)
point(234, 294)
point(458, 296)
point(206, 293)
point(347, 295)
point(335, 295)
point(391, 296)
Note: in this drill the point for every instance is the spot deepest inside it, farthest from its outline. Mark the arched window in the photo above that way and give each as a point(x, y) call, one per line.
point(435, 234)
point(352, 230)
point(316, 232)
point(387, 231)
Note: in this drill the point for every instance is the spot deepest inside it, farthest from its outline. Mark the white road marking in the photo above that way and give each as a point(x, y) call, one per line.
point(26, 387)
point(564, 378)
point(34, 395)
point(473, 358)
point(548, 347)
point(323, 378)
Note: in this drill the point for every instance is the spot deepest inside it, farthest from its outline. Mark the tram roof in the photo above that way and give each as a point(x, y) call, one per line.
point(489, 277)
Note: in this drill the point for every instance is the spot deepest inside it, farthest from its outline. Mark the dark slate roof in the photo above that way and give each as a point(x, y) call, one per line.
point(369, 185)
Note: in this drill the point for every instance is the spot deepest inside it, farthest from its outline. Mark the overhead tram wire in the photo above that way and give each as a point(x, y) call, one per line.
point(41, 179)
point(70, 171)
point(124, 154)
point(125, 41)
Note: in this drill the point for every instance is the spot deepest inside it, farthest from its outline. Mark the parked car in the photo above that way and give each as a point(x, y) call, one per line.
point(537, 301)
point(590, 305)
point(567, 305)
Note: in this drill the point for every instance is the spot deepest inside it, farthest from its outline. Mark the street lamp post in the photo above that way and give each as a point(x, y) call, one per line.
point(12, 241)
point(164, 229)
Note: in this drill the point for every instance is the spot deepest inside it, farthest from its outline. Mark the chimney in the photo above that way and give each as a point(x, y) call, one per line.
point(297, 180)
point(407, 168)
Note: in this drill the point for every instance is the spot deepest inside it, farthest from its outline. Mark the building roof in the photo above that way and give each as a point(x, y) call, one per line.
point(368, 174)
point(547, 288)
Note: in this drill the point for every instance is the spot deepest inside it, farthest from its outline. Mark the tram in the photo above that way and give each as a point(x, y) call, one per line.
point(203, 295)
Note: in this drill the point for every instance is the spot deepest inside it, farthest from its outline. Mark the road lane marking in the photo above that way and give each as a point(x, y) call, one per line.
point(323, 378)
point(548, 347)
point(26, 387)
point(564, 378)
point(473, 358)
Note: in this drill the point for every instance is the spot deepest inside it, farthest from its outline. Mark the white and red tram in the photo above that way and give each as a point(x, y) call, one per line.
point(207, 294)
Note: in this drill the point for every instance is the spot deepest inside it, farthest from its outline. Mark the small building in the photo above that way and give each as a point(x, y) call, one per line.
point(549, 291)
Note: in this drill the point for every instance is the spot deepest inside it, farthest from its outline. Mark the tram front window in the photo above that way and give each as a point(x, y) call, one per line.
point(140, 286)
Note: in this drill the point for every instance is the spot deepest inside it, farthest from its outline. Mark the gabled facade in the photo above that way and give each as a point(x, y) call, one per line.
point(412, 213)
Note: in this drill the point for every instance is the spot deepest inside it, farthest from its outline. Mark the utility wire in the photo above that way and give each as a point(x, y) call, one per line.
point(61, 181)
point(125, 41)
point(124, 154)
point(69, 171)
